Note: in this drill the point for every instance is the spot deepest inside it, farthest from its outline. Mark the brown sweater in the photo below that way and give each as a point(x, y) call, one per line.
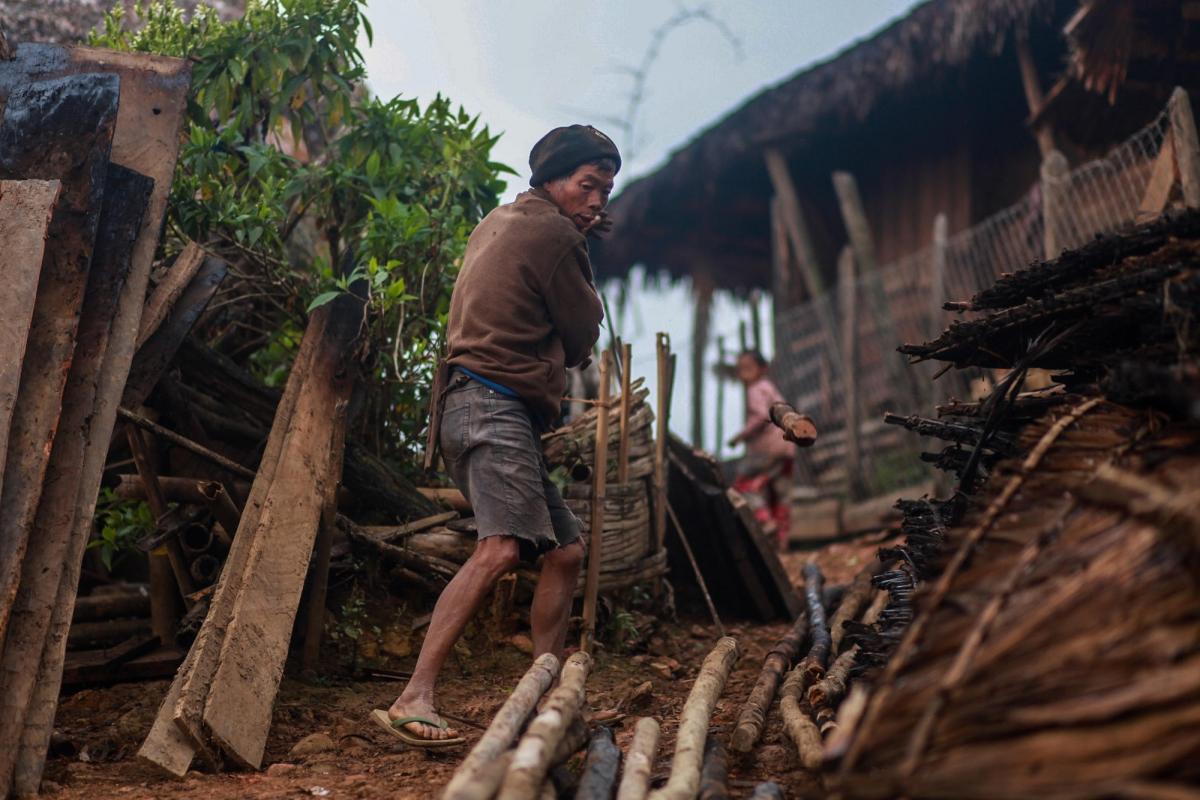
point(524, 305)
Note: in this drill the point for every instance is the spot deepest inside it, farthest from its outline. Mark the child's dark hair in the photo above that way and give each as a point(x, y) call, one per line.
point(754, 354)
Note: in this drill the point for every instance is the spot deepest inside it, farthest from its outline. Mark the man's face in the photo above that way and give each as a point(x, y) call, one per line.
point(582, 195)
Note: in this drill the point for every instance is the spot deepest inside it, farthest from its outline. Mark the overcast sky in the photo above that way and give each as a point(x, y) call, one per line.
point(526, 66)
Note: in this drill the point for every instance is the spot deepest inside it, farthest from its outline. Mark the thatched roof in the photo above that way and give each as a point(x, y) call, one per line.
point(1053, 647)
point(708, 200)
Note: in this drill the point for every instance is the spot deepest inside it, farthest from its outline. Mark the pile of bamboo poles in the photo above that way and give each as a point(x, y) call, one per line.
point(512, 764)
point(1041, 637)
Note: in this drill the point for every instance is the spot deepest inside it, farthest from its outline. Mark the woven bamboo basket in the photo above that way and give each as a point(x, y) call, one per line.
point(628, 554)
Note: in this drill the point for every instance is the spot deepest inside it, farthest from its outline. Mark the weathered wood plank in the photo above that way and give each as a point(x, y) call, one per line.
point(25, 209)
point(161, 302)
point(177, 734)
point(51, 129)
point(50, 543)
point(153, 357)
point(237, 714)
point(153, 92)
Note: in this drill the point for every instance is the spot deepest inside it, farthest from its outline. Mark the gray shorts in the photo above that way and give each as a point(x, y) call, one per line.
point(494, 454)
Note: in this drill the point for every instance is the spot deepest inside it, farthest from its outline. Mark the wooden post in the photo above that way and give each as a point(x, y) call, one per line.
point(1033, 93)
point(596, 528)
point(318, 586)
point(793, 222)
point(848, 311)
point(937, 289)
point(662, 429)
point(1187, 146)
point(756, 320)
point(783, 293)
point(859, 233)
point(623, 442)
point(169, 552)
point(1054, 174)
point(700, 328)
point(720, 443)
point(937, 275)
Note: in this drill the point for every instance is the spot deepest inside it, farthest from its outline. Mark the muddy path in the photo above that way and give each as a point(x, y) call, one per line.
point(322, 745)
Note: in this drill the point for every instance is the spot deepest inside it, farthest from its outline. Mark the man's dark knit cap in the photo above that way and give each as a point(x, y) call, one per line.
point(561, 150)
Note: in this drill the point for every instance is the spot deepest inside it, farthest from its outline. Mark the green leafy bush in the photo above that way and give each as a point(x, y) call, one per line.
point(305, 185)
point(120, 524)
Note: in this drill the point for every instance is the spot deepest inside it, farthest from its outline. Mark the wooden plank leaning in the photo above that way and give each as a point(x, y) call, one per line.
point(153, 97)
point(25, 209)
point(57, 129)
point(237, 713)
point(177, 734)
point(50, 540)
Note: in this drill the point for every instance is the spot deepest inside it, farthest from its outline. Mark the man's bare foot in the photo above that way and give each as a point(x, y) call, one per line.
point(421, 708)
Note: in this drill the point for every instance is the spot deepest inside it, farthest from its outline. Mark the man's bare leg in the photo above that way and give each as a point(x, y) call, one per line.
point(462, 597)
point(552, 598)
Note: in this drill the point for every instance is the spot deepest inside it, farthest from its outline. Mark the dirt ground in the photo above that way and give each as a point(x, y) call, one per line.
point(101, 728)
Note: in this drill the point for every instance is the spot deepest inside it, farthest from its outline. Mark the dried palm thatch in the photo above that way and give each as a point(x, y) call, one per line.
point(1043, 635)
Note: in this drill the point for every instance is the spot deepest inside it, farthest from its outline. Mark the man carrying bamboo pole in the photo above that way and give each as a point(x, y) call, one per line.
point(524, 308)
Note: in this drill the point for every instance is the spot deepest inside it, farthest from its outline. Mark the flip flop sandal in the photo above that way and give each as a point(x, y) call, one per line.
point(397, 729)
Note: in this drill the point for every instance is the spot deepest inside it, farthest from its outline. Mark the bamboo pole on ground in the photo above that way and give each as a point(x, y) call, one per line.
point(714, 774)
point(639, 761)
point(753, 716)
point(814, 663)
point(797, 723)
point(531, 759)
point(504, 728)
point(856, 598)
point(596, 528)
point(600, 767)
point(684, 781)
point(623, 440)
point(768, 791)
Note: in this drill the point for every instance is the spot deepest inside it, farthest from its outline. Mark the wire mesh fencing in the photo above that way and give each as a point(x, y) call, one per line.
point(902, 302)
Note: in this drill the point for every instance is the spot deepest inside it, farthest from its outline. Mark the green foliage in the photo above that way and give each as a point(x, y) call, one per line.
point(307, 186)
point(121, 524)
